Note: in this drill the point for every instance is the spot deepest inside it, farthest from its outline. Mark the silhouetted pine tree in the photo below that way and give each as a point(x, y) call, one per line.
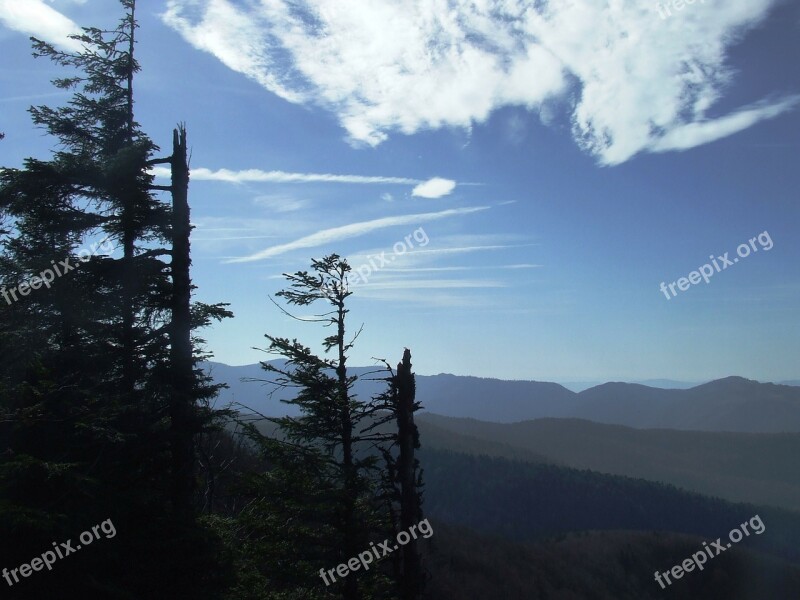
point(89, 428)
point(326, 448)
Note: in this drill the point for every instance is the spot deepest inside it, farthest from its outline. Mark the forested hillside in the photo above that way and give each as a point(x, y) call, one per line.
point(741, 467)
point(608, 565)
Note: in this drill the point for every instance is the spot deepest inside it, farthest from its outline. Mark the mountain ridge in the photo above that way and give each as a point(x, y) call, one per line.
point(732, 403)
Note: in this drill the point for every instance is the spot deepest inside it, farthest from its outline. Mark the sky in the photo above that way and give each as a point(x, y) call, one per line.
point(512, 181)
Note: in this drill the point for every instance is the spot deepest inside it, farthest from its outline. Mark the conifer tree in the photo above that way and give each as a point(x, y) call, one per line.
point(331, 437)
point(97, 421)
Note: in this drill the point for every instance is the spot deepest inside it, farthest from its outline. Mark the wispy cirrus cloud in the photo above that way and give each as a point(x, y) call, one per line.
point(461, 268)
point(431, 188)
point(32, 97)
point(465, 249)
point(37, 19)
point(280, 204)
point(335, 234)
point(259, 176)
point(629, 81)
point(433, 284)
point(694, 134)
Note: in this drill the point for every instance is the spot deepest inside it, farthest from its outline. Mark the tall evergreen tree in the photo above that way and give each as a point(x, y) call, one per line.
point(100, 392)
point(328, 448)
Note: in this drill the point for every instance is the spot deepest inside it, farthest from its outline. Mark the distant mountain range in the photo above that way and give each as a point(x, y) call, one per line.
point(731, 404)
point(670, 384)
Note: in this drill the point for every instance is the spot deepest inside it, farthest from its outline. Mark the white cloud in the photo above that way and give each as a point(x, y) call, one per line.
point(642, 83)
point(37, 19)
point(642, 77)
point(258, 176)
point(694, 134)
point(434, 188)
point(232, 36)
point(335, 234)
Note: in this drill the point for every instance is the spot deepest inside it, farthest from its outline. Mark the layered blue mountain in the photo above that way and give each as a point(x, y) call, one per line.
point(730, 404)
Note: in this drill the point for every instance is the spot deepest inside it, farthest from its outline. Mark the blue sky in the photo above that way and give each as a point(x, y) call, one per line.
point(556, 163)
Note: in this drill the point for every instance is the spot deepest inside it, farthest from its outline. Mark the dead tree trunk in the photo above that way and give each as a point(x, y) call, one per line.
point(182, 400)
point(412, 578)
